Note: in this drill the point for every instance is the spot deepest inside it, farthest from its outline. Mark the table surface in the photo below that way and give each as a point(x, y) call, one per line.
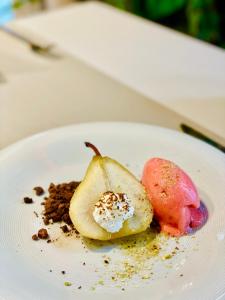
point(178, 72)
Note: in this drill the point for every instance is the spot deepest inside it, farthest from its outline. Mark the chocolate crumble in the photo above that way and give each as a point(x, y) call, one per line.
point(28, 200)
point(43, 233)
point(65, 228)
point(56, 205)
point(35, 237)
point(39, 190)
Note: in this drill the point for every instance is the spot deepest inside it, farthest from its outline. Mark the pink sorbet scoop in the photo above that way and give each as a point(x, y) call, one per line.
point(174, 197)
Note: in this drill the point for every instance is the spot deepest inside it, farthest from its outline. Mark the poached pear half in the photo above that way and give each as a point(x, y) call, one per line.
point(105, 174)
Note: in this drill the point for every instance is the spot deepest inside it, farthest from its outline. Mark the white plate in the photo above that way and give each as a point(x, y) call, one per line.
point(59, 155)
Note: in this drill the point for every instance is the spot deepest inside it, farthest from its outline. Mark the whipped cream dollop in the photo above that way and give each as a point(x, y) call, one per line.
point(112, 210)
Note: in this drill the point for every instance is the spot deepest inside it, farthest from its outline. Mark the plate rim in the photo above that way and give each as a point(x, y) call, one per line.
point(36, 135)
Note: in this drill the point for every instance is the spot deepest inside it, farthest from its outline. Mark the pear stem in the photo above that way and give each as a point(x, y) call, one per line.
point(93, 147)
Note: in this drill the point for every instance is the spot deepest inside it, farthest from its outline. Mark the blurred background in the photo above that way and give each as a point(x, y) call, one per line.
point(203, 19)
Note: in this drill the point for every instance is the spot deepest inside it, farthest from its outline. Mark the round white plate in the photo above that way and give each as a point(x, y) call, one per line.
point(196, 271)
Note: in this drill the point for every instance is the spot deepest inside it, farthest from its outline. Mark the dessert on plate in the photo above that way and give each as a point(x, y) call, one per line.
point(110, 202)
point(174, 197)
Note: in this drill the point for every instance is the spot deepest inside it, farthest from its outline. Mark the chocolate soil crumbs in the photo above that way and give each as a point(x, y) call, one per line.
point(35, 237)
point(65, 228)
point(27, 200)
point(39, 190)
point(56, 205)
point(43, 234)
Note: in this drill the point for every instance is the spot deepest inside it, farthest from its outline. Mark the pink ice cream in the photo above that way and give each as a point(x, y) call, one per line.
point(174, 197)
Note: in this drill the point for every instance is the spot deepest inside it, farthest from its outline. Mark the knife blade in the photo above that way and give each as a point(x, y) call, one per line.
point(193, 132)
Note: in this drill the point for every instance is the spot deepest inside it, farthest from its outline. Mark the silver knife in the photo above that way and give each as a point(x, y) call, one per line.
point(191, 131)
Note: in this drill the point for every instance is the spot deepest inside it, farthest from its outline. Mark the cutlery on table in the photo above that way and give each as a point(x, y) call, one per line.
point(35, 47)
point(191, 131)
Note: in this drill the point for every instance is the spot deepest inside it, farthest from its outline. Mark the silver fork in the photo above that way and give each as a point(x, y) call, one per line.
point(37, 48)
